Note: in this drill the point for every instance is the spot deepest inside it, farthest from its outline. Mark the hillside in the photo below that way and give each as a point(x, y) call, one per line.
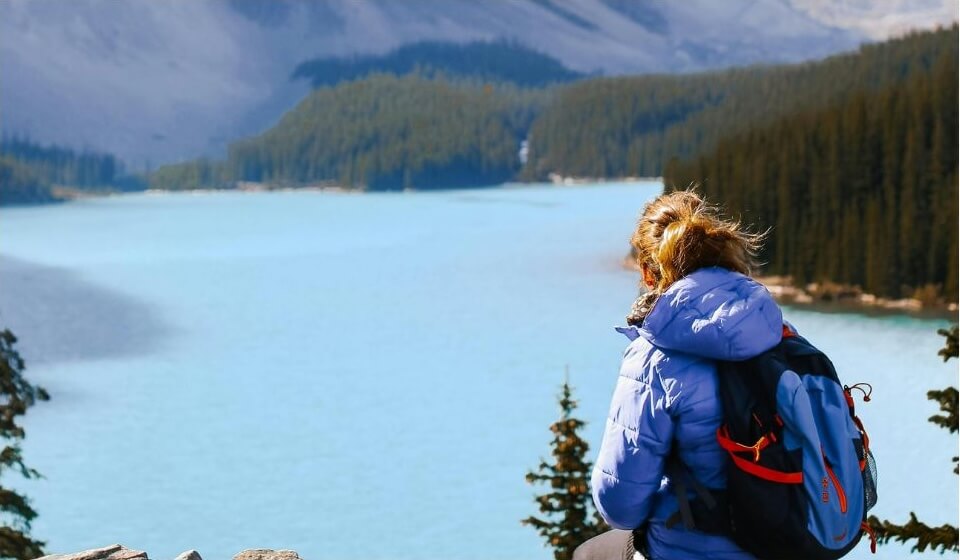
point(156, 82)
point(31, 171)
point(19, 185)
point(861, 191)
point(631, 126)
point(381, 133)
point(385, 132)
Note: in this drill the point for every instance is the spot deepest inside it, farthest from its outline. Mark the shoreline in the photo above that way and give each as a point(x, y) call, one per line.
point(557, 179)
point(63, 194)
point(830, 297)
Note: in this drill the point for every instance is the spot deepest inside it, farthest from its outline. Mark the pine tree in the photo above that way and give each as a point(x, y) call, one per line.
point(569, 515)
point(944, 537)
point(16, 396)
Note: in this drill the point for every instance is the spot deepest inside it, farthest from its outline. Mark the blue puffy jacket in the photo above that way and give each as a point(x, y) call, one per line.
point(666, 395)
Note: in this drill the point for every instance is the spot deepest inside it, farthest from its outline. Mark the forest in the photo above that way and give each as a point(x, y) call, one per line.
point(862, 191)
point(631, 126)
point(499, 61)
point(381, 133)
point(20, 185)
point(856, 152)
point(29, 171)
point(429, 131)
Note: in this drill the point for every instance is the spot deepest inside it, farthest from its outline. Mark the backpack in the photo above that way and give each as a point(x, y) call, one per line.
point(800, 476)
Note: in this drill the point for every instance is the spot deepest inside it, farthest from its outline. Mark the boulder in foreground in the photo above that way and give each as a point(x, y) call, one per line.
point(266, 554)
point(112, 552)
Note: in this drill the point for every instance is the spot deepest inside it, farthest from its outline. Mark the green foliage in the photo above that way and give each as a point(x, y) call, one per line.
point(500, 61)
point(19, 185)
point(950, 349)
point(860, 191)
point(29, 171)
point(632, 126)
point(944, 537)
point(568, 520)
point(17, 396)
point(389, 133)
point(191, 175)
point(947, 399)
point(63, 166)
point(425, 131)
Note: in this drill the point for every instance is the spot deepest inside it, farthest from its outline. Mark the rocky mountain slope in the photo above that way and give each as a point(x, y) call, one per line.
point(156, 82)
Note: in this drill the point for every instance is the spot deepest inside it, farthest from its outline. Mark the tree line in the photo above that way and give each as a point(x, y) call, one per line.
point(851, 160)
point(632, 125)
point(20, 185)
point(29, 171)
point(381, 133)
point(862, 191)
point(497, 61)
point(429, 131)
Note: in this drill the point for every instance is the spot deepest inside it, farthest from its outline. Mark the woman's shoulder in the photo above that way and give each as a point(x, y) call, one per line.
point(649, 364)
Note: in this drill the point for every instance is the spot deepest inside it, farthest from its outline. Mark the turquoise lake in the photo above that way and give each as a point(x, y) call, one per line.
point(361, 376)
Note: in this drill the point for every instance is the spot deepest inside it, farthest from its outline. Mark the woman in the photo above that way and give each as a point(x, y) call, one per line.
point(700, 306)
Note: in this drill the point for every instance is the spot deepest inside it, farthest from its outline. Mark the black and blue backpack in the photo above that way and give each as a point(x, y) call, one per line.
point(801, 476)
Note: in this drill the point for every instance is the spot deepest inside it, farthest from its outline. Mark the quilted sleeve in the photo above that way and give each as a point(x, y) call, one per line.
point(636, 441)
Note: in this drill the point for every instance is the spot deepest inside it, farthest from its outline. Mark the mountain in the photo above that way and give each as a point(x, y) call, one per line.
point(381, 133)
point(388, 132)
point(155, 82)
point(631, 126)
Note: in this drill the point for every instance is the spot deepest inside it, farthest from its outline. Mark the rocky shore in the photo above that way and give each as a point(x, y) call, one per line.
point(120, 552)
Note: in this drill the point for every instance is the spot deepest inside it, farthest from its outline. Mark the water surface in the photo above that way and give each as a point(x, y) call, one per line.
point(360, 376)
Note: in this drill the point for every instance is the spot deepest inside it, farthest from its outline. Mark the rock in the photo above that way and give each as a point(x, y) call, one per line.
point(189, 555)
point(112, 552)
point(267, 554)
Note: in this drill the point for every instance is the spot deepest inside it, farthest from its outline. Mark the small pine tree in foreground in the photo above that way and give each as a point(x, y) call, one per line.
point(944, 537)
point(569, 515)
point(16, 396)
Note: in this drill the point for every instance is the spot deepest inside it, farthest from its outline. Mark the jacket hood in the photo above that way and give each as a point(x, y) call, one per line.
point(715, 313)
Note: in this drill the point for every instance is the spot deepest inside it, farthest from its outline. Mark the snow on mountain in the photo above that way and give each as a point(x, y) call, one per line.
point(879, 19)
point(157, 81)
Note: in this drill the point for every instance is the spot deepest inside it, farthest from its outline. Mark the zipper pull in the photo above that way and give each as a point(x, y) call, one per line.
point(860, 387)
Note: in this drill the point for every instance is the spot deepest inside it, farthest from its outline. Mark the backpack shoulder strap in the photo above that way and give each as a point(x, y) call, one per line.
point(680, 477)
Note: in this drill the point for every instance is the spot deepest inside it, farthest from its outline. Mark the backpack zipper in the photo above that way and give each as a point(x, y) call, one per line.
point(836, 484)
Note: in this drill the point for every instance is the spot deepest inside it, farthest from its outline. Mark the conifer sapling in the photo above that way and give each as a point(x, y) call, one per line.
point(16, 396)
point(944, 537)
point(569, 514)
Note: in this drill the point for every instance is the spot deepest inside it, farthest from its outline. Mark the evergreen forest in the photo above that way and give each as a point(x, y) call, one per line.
point(850, 161)
point(861, 191)
point(500, 61)
point(381, 133)
point(29, 171)
point(631, 126)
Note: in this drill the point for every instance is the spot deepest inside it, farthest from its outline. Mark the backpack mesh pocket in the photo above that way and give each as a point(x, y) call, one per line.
point(870, 481)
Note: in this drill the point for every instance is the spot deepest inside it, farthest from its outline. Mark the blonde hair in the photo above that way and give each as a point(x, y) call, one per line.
point(679, 232)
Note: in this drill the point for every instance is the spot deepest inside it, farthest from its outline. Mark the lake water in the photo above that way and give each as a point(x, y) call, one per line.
point(360, 375)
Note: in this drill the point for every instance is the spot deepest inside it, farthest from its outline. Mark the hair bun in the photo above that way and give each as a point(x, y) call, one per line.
point(679, 233)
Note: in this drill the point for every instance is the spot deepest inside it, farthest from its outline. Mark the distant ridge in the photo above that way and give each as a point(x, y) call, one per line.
point(414, 132)
point(632, 125)
point(499, 61)
point(156, 82)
